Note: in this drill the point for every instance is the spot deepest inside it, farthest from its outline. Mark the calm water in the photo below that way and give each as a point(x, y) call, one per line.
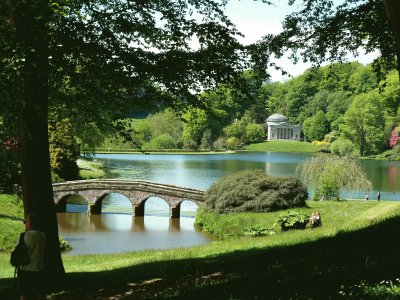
point(117, 231)
point(200, 171)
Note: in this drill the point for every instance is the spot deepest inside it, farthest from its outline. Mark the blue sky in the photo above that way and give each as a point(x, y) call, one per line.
point(255, 19)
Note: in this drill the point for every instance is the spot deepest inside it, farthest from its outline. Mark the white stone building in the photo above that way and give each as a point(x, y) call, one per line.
point(279, 128)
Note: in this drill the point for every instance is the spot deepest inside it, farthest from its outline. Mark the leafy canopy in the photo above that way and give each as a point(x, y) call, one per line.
point(320, 30)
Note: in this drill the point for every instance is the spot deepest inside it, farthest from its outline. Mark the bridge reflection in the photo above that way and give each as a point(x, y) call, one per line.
point(78, 222)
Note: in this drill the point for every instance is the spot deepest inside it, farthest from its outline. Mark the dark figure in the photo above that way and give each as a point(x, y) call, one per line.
point(366, 197)
point(378, 196)
point(31, 277)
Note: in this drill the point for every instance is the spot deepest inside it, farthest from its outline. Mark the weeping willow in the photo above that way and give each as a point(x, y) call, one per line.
point(328, 175)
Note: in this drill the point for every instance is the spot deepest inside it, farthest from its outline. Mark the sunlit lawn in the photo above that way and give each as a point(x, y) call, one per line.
point(283, 146)
point(243, 262)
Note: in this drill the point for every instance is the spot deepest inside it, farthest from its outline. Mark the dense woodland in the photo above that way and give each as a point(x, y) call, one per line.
point(342, 101)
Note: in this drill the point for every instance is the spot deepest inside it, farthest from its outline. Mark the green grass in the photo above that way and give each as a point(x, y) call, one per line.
point(283, 146)
point(90, 169)
point(358, 241)
point(11, 216)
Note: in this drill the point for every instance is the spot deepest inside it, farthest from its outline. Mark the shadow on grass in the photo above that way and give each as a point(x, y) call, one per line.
point(313, 270)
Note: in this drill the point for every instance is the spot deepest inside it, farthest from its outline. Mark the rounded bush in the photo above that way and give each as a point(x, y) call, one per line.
point(255, 191)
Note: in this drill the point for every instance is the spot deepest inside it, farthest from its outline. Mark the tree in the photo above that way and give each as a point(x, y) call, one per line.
point(195, 124)
point(320, 30)
point(364, 123)
point(102, 58)
point(328, 175)
point(254, 133)
point(316, 127)
point(163, 141)
point(64, 149)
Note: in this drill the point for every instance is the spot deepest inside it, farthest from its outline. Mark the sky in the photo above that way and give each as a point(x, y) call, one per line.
point(255, 19)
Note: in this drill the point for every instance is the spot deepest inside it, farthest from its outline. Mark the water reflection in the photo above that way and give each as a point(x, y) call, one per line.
point(111, 233)
point(200, 171)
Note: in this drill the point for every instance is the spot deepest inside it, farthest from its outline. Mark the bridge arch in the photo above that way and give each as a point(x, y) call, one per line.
point(63, 199)
point(97, 205)
point(137, 191)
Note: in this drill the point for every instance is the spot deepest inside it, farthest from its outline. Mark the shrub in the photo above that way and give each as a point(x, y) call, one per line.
point(253, 190)
point(163, 141)
point(64, 245)
point(220, 144)
point(258, 230)
point(232, 143)
point(254, 133)
point(342, 147)
point(292, 220)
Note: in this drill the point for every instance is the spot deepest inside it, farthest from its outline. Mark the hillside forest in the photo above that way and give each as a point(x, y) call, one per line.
point(341, 101)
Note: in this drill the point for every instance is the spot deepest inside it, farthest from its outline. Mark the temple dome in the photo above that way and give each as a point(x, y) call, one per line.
point(277, 118)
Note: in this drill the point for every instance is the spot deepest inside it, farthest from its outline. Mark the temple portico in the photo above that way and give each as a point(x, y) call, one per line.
point(279, 128)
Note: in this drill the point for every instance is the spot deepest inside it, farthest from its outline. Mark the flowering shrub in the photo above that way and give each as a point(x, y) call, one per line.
point(394, 138)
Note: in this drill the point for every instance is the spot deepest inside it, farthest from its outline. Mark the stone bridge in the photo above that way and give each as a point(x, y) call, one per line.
point(137, 191)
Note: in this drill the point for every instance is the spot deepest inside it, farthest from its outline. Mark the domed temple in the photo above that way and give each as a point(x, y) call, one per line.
point(279, 128)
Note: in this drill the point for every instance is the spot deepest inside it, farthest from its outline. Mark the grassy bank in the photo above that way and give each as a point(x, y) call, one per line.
point(283, 146)
point(358, 241)
point(11, 216)
point(90, 169)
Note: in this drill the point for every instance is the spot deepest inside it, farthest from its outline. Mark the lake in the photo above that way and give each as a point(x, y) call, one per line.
point(117, 231)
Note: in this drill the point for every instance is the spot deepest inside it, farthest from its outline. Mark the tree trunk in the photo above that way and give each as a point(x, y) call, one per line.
point(32, 43)
point(393, 13)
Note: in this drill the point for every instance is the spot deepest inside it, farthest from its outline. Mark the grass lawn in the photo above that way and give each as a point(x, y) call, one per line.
point(90, 169)
point(358, 242)
point(283, 146)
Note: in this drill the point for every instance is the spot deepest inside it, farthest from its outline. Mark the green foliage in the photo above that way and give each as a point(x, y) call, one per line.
point(314, 32)
point(164, 141)
point(385, 289)
point(64, 245)
point(254, 133)
point(64, 149)
point(220, 144)
point(258, 230)
point(322, 146)
point(292, 220)
point(328, 175)
point(316, 127)
point(255, 191)
point(235, 130)
point(233, 143)
point(364, 123)
point(342, 147)
point(206, 140)
point(195, 125)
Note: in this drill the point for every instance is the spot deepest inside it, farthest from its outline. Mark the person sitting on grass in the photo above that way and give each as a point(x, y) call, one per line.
point(315, 220)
